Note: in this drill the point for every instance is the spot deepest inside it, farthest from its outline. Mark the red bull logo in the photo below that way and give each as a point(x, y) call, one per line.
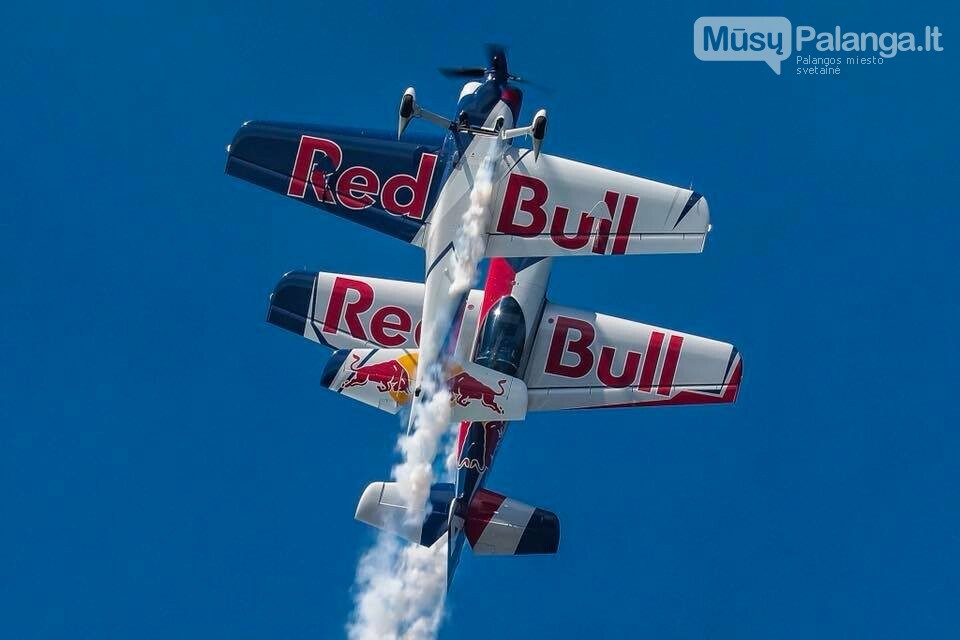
point(394, 376)
point(358, 188)
point(390, 376)
point(464, 388)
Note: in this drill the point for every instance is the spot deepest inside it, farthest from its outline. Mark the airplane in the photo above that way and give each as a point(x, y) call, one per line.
point(502, 350)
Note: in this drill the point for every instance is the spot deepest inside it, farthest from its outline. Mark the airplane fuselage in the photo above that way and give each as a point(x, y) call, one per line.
point(514, 295)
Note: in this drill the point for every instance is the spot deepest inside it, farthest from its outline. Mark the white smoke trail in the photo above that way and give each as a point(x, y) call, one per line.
point(401, 591)
point(470, 242)
point(401, 587)
point(418, 448)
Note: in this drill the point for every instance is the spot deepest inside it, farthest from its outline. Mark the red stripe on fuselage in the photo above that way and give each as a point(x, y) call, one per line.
point(500, 277)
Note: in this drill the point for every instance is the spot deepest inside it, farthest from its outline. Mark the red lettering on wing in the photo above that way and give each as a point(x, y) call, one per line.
point(338, 307)
point(627, 376)
point(524, 213)
point(670, 365)
point(650, 361)
point(349, 306)
point(611, 199)
point(581, 236)
point(580, 347)
point(399, 325)
point(418, 186)
point(356, 187)
point(305, 169)
point(625, 225)
point(532, 205)
point(607, 372)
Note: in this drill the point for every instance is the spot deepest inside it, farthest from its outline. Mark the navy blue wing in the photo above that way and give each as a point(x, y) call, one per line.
point(368, 177)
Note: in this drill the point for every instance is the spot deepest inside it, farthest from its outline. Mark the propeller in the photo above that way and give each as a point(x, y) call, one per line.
point(496, 64)
point(463, 72)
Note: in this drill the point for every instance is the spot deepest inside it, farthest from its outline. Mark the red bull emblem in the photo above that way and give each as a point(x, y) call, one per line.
point(464, 388)
point(390, 377)
point(393, 377)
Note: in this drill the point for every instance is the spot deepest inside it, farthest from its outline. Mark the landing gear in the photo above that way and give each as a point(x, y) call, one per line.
point(407, 106)
point(537, 132)
point(409, 109)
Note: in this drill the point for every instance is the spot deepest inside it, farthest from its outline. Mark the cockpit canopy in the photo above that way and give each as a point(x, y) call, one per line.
point(500, 345)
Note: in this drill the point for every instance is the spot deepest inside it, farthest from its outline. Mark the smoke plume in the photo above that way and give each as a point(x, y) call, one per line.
point(470, 242)
point(400, 587)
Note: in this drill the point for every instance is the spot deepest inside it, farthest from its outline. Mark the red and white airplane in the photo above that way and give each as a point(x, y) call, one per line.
point(502, 350)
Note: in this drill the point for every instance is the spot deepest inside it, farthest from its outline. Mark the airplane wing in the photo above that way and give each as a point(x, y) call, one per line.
point(579, 359)
point(553, 206)
point(582, 359)
point(365, 176)
point(547, 207)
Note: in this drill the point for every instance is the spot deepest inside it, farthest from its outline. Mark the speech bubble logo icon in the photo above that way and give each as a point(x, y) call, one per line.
point(743, 39)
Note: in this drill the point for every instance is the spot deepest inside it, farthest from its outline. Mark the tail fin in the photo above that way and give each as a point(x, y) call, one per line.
point(381, 506)
point(498, 525)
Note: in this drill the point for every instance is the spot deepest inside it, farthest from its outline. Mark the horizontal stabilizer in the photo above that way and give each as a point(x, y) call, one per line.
point(382, 506)
point(383, 378)
point(500, 526)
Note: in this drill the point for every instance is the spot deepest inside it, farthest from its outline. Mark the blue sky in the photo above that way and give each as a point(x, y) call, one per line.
point(170, 467)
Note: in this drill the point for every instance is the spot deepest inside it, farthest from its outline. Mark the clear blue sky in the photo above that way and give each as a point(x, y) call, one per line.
point(170, 467)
